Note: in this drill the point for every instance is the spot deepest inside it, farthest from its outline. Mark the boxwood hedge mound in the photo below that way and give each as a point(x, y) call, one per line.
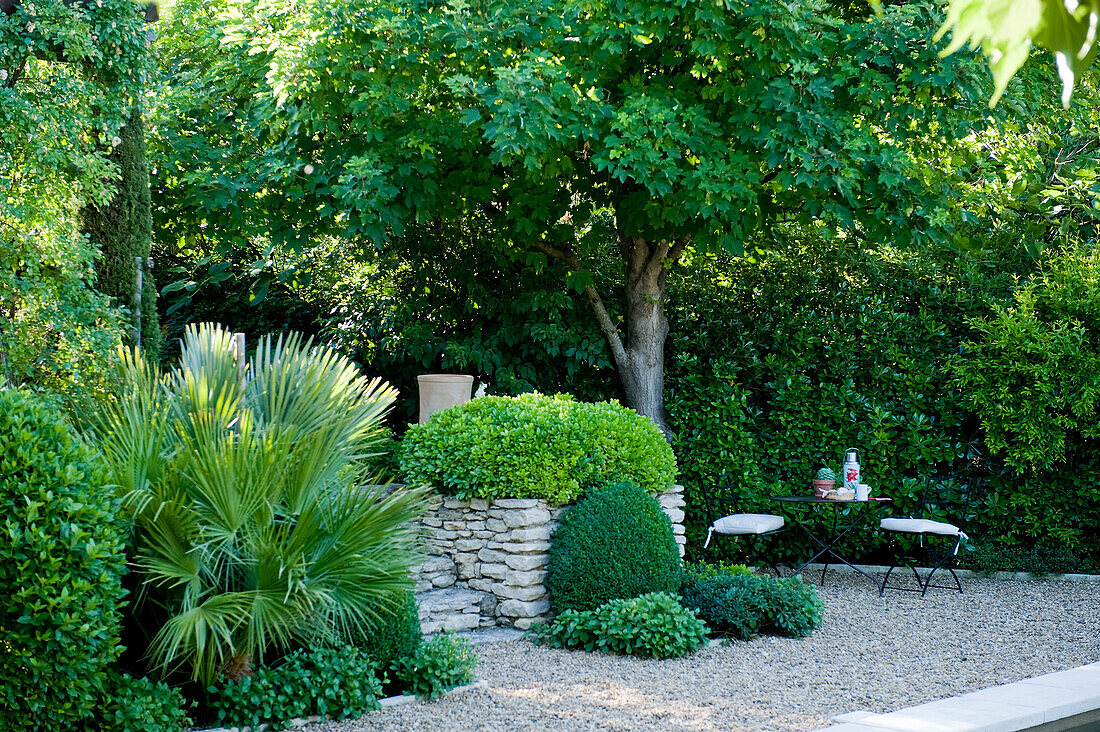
point(616, 542)
point(535, 446)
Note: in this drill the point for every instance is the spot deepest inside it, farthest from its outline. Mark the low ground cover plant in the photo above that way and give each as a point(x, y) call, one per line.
point(334, 682)
point(616, 542)
point(437, 665)
point(535, 446)
point(738, 604)
point(654, 625)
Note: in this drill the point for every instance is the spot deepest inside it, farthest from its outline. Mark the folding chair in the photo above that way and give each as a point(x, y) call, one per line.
point(721, 501)
point(939, 539)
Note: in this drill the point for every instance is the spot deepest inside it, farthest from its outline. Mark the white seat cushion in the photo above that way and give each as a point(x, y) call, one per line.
point(919, 526)
point(747, 523)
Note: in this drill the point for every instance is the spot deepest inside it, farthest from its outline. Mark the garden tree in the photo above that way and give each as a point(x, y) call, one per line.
point(69, 74)
point(122, 231)
point(696, 126)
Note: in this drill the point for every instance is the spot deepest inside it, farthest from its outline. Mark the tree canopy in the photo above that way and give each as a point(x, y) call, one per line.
point(69, 74)
point(695, 125)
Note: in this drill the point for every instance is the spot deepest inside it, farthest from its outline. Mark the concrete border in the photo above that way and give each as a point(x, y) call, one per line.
point(1050, 703)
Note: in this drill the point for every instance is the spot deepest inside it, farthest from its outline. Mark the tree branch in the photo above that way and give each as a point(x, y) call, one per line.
point(607, 327)
point(603, 318)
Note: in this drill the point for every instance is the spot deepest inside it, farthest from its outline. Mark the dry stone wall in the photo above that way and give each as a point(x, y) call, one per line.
point(487, 560)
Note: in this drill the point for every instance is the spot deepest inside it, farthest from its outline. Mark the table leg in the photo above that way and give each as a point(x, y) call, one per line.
point(827, 548)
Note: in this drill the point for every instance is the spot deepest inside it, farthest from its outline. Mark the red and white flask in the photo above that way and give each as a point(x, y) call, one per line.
point(850, 469)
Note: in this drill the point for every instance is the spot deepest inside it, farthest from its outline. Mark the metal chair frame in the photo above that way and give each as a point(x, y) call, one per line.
point(933, 494)
point(722, 494)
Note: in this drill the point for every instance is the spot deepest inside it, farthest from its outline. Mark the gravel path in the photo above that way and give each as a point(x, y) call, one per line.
point(870, 653)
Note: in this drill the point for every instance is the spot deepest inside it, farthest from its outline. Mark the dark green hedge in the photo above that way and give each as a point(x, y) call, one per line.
point(616, 542)
point(818, 346)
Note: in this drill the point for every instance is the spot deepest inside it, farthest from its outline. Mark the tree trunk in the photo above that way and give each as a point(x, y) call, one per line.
point(640, 358)
point(642, 361)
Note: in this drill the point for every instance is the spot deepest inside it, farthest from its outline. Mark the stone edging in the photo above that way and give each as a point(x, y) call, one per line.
point(966, 573)
point(386, 703)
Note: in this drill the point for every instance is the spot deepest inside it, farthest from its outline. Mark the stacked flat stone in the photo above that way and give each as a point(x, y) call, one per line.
point(486, 560)
point(672, 503)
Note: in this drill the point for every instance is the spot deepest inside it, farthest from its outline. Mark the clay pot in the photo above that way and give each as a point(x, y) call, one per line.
point(821, 487)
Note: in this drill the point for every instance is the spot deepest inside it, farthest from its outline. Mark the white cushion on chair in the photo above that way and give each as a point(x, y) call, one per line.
point(919, 526)
point(747, 523)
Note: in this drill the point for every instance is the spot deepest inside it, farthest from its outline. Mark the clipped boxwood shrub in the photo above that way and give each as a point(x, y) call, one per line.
point(393, 634)
point(742, 606)
point(334, 682)
point(616, 542)
point(61, 563)
point(535, 446)
point(655, 625)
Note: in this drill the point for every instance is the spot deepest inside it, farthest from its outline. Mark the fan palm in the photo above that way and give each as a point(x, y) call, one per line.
point(254, 524)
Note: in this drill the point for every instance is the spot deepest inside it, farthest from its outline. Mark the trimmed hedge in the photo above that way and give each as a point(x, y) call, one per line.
point(616, 542)
point(61, 563)
point(535, 446)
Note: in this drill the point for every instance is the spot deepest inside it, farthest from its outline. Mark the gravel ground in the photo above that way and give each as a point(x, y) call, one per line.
point(871, 653)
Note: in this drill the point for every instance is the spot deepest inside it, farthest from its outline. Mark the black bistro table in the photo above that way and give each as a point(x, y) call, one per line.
point(825, 533)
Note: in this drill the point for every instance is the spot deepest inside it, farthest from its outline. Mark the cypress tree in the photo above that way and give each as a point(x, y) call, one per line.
point(123, 230)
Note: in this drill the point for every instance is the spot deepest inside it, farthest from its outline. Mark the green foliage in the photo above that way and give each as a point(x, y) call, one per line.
point(825, 474)
point(535, 446)
point(655, 625)
point(1006, 34)
point(438, 665)
point(616, 542)
point(813, 347)
point(69, 74)
point(441, 298)
point(141, 705)
point(707, 570)
point(744, 605)
point(61, 564)
point(393, 633)
point(326, 682)
point(121, 230)
point(988, 557)
point(1030, 371)
point(254, 526)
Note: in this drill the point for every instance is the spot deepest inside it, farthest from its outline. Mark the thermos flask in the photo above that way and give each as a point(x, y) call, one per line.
point(851, 469)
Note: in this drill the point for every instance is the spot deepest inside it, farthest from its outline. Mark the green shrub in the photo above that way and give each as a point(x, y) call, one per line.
point(333, 682)
point(706, 570)
point(141, 705)
point(394, 634)
point(746, 605)
point(535, 446)
point(616, 542)
point(61, 563)
point(655, 625)
point(440, 664)
point(275, 542)
point(989, 557)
